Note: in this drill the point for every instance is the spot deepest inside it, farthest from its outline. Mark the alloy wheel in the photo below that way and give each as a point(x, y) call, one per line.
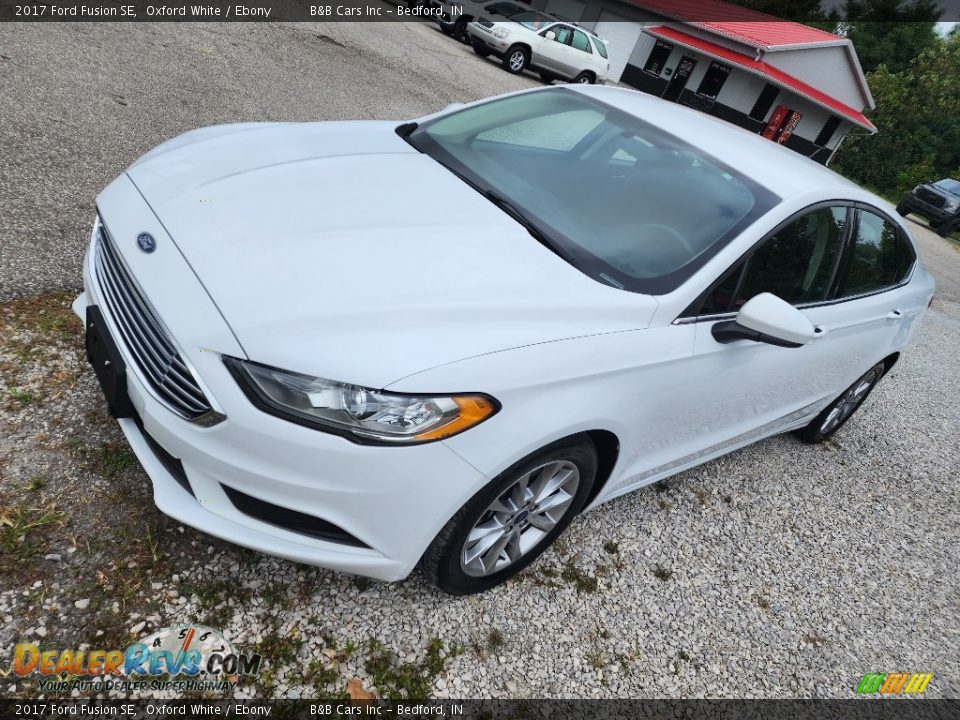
point(849, 401)
point(517, 60)
point(519, 518)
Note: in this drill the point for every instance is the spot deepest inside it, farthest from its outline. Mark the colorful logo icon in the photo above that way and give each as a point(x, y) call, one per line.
point(894, 683)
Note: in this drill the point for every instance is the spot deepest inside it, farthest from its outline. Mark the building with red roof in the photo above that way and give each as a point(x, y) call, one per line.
point(792, 83)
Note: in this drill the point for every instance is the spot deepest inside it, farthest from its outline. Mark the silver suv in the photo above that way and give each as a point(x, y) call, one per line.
point(554, 49)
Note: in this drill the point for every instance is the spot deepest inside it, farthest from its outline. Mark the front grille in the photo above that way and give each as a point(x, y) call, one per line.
point(485, 23)
point(155, 356)
point(931, 198)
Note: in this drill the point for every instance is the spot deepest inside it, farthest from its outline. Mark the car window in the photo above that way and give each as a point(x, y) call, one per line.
point(880, 257)
point(601, 47)
point(950, 185)
point(580, 41)
point(625, 201)
point(562, 34)
point(798, 264)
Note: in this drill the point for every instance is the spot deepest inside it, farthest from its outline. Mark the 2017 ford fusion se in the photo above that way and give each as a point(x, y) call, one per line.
point(373, 345)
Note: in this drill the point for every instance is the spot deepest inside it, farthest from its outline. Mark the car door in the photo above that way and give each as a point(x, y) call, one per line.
point(579, 54)
point(552, 54)
point(844, 269)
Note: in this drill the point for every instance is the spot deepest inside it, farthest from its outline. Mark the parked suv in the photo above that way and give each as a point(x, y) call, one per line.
point(455, 15)
point(938, 202)
point(542, 43)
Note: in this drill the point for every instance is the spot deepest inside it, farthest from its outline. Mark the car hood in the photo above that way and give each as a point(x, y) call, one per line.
point(336, 249)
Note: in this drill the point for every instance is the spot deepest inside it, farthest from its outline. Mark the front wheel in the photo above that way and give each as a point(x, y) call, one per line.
point(946, 228)
point(902, 210)
point(515, 60)
point(508, 524)
point(842, 409)
point(480, 49)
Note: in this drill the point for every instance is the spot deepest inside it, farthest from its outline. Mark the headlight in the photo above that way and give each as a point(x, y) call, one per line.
point(500, 32)
point(951, 205)
point(360, 413)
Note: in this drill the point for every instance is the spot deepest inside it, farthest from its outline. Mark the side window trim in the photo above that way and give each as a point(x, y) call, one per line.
point(692, 311)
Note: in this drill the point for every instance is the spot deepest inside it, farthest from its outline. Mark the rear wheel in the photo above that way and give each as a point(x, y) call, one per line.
point(843, 408)
point(516, 59)
point(508, 524)
point(585, 78)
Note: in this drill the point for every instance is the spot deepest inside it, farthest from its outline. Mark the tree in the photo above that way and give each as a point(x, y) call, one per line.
point(804, 11)
point(918, 122)
point(888, 32)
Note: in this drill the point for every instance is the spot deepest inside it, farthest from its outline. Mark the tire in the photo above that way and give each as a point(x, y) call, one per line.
point(946, 228)
point(585, 78)
point(547, 77)
point(480, 49)
point(836, 414)
point(902, 210)
point(460, 31)
point(459, 565)
point(516, 59)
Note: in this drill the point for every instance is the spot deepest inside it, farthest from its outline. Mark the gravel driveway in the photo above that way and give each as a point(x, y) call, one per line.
point(782, 570)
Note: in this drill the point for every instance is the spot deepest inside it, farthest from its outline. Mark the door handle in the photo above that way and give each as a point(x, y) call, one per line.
point(894, 315)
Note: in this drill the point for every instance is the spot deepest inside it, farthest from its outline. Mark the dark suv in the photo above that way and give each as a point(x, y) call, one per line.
point(938, 202)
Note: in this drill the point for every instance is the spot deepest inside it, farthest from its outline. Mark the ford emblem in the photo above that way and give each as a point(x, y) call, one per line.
point(146, 242)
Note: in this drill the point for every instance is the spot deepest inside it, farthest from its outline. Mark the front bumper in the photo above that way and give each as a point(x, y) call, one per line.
point(393, 500)
point(481, 37)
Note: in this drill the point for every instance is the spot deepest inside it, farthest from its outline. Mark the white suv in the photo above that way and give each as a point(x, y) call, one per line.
point(542, 43)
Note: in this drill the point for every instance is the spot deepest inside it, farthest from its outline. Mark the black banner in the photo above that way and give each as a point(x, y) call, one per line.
point(889, 709)
point(365, 11)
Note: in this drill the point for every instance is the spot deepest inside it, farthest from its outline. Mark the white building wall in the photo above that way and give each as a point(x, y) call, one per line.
point(827, 69)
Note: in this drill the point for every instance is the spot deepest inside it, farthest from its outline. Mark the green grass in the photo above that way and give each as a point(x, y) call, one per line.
point(579, 578)
point(396, 680)
point(114, 458)
point(22, 533)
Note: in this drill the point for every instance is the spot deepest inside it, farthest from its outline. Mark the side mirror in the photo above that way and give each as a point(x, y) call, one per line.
point(767, 319)
point(551, 35)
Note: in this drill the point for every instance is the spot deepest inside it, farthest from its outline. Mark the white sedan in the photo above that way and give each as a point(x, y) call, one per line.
point(608, 289)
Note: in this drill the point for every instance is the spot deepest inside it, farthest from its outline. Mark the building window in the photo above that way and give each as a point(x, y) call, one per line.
point(714, 79)
point(658, 57)
point(763, 104)
point(829, 128)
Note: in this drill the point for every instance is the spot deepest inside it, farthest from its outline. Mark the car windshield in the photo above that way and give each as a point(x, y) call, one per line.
point(621, 199)
point(950, 185)
point(533, 20)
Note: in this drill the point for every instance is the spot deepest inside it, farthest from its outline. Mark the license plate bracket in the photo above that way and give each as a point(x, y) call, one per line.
point(108, 364)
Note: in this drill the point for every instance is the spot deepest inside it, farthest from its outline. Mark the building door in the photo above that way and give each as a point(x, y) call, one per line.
point(679, 80)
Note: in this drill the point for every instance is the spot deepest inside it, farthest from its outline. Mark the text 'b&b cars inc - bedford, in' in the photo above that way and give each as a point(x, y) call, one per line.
point(616, 288)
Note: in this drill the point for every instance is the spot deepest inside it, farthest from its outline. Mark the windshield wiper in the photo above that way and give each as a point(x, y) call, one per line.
point(510, 209)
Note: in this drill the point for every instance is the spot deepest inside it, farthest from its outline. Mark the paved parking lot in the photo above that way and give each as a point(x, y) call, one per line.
point(780, 571)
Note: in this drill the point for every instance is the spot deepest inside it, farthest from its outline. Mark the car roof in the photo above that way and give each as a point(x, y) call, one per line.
point(786, 172)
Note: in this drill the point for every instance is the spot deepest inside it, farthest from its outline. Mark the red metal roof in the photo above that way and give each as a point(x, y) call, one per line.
point(749, 26)
point(777, 76)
